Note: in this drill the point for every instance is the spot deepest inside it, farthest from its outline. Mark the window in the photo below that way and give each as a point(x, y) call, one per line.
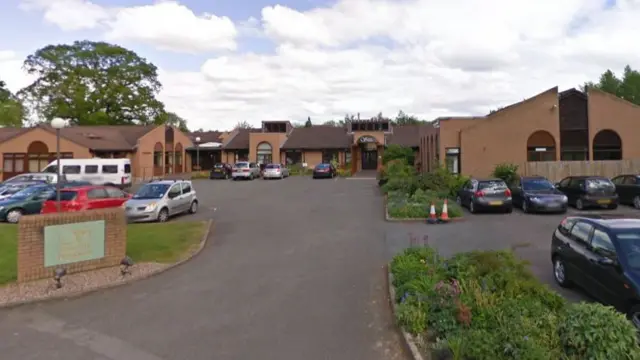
point(157, 159)
point(13, 163)
point(347, 157)
point(109, 169)
point(452, 160)
point(618, 180)
point(91, 169)
point(175, 190)
point(601, 243)
point(581, 231)
point(65, 195)
point(178, 158)
point(576, 183)
point(565, 182)
point(263, 152)
point(566, 225)
point(71, 169)
point(37, 162)
point(186, 188)
point(329, 155)
point(127, 168)
point(492, 185)
point(115, 193)
point(470, 185)
point(97, 194)
point(293, 157)
point(45, 194)
point(630, 180)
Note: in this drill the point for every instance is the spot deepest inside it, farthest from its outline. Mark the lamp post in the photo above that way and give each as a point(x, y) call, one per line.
point(198, 153)
point(58, 123)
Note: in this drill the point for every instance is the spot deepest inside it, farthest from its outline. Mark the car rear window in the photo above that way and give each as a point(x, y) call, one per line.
point(242, 165)
point(492, 185)
point(322, 166)
point(65, 195)
point(218, 166)
point(599, 184)
point(273, 166)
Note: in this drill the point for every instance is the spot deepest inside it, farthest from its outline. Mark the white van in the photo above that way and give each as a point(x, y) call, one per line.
point(114, 172)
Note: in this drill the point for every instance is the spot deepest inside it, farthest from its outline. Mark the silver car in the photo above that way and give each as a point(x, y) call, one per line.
point(159, 200)
point(275, 171)
point(245, 170)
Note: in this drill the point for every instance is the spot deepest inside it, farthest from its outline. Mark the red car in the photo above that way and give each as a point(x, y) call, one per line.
point(86, 198)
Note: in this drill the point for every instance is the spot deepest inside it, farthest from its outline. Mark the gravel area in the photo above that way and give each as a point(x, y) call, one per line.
point(74, 284)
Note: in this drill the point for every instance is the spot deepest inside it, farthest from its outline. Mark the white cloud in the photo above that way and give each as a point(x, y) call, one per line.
point(10, 70)
point(426, 57)
point(69, 15)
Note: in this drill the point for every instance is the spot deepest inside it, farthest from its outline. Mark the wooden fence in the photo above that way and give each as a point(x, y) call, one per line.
point(558, 170)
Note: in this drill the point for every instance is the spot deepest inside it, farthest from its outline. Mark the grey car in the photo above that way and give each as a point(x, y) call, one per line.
point(485, 194)
point(159, 200)
point(245, 170)
point(275, 171)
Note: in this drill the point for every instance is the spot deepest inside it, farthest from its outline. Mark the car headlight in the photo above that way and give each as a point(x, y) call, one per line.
point(1, 208)
point(534, 198)
point(151, 207)
point(564, 198)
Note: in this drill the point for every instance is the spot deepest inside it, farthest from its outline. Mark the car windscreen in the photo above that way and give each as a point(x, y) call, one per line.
point(27, 192)
point(151, 191)
point(599, 184)
point(536, 184)
point(492, 185)
point(242, 165)
point(65, 195)
point(272, 166)
point(629, 242)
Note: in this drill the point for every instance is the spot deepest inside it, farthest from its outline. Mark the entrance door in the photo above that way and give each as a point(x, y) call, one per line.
point(369, 159)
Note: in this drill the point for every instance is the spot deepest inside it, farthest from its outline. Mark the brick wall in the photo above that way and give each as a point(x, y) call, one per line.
point(31, 242)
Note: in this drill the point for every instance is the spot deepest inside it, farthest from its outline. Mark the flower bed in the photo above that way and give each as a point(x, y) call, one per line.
point(401, 205)
point(488, 305)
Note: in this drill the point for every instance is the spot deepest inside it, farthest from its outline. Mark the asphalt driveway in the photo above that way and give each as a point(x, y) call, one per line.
point(529, 234)
point(294, 270)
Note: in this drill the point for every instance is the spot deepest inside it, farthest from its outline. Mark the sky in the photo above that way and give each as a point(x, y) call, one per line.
point(225, 61)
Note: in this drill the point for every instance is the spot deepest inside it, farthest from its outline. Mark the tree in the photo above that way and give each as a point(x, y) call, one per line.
point(308, 123)
point(172, 119)
point(242, 125)
point(403, 119)
point(12, 113)
point(92, 83)
point(627, 87)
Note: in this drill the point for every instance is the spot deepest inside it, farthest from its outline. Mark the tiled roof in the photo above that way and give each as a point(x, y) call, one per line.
point(318, 137)
point(405, 135)
point(239, 139)
point(206, 136)
point(9, 132)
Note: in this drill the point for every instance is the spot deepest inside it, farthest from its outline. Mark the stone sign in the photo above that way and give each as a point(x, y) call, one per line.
point(75, 242)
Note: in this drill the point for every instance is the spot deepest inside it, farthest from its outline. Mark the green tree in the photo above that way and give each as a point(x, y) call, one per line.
point(627, 87)
point(242, 125)
point(92, 83)
point(171, 118)
point(12, 113)
point(308, 123)
point(403, 119)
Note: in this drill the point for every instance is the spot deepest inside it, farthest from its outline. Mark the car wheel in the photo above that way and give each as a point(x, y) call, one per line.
point(633, 314)
point(194, 207)
point(579, 204)
point(560, 272)
point(163, 215)
point(472, 207)
point(13, 217)
point(636, 202)
point(525, 207)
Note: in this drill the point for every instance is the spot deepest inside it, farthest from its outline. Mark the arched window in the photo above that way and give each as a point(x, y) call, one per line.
point(265, 153)
point(541, 146)
point(607, 145)
point(38, 154)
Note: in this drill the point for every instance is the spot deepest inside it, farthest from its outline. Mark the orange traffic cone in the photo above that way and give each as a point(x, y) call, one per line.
point(432, 215)
point(444, 217)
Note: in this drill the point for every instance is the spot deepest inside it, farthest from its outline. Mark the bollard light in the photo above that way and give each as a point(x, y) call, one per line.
point(125, 264)
point(59, 274)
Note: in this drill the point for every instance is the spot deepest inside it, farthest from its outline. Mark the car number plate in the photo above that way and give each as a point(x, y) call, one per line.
point(604, 201)
point(495, 203)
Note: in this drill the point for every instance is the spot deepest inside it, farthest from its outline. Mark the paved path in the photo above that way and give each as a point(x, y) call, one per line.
point(294, 270)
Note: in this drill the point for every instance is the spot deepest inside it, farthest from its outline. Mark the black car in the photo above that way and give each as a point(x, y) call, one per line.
point(628, 189)
point(537, 194)
point(485, 194)
point(220, 171)
point(589, 191)
point(324, 170)
point(601, 255)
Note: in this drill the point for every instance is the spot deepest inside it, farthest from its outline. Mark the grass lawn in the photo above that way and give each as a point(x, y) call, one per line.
point(164, 243)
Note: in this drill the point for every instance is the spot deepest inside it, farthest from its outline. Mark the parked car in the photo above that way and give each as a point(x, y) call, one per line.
point(220, 171)
point(275, 171)
point(589, 191)
point(537, 194)
point(25, 202)
point(628, 189)
point(47, 178)
point(485, 194)
point(245, 170)
point(159, 200)
point(97, 171)
point(324, 170)
point(602, 256)
point(6, 191)
point(83, 198)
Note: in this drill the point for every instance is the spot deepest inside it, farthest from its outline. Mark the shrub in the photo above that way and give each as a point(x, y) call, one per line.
point(401, 205)
point(199, 175)
point(506, 172)
point(298, 169)
point(398, 152)
point(442, 180)
point(488, 305)
point(593, 331)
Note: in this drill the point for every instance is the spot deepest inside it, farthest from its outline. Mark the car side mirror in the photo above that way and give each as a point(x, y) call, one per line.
point(604, 261)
